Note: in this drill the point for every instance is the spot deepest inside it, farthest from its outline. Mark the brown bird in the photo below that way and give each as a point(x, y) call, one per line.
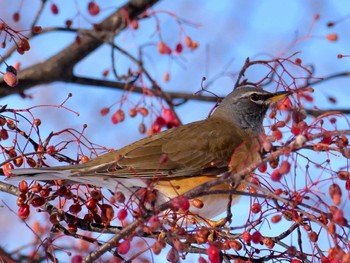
point(179, 159)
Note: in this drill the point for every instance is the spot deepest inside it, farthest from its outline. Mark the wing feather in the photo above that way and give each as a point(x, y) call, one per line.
point(188, 150)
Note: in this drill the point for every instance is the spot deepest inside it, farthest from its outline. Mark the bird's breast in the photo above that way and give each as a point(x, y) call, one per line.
point(213, 205)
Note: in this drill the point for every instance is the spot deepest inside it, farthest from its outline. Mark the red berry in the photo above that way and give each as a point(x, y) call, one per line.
point(24, 211)
point(107, 213)
point(76, 259)
point(332, 37)
point(84, 159)
point(276, 218)
point(256, 208)
point(256, 237)
point(38, 201)
point(75, 208)
point(122, 214)
point(105, 73)
point(196, 202)
point(338, 217)
point(213, 254)
point(325, 260)
point(118, 116)
point(181, 202)
point(166, 77)
point(164, 48)
point(93, 8)
point(124, 247)
point(142, 128)
point(284, 167)
point(160, 121)
point(132, 112)
point(6, 169)
point(168, 115)
point(45, 192)
point(277, 134)
point(36, 188)
point(4, 135)
point(143, 111)
point(37, 30)
point(276, 176)
point(155, 128)
point(16, 17)
point(298, 61)
point(188, 41)
point(134, 24)
point(21, 199)
point(308, 98)
point(347, 185)
point(18, 161)
point(90, 204)
point(246, 236)
point(104, 111)
point(178, 48)
point(295, 130)
point(262, 168)
point(54, 9)
point(37, 122)
point(31, 162)
point(69, 23)
point(173, 255)
point(284, 104)
point(23, 187)
point(326, 140)
point(11, 79)
point(51, 150)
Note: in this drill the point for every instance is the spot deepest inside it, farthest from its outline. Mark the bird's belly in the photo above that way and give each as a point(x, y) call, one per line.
point(213, 205)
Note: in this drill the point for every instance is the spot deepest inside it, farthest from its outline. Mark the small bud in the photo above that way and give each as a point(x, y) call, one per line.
point(37, 29)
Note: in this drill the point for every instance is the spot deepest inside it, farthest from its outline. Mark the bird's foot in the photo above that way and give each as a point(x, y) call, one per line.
point(218, 223)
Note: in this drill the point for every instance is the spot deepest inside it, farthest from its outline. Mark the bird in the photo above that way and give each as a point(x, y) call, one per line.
point(177, 160)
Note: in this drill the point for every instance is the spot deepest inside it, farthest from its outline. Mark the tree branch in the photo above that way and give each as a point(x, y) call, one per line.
point(60, 66)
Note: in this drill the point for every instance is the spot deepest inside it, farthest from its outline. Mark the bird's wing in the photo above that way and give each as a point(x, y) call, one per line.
point(184, 151)
point(192, 149)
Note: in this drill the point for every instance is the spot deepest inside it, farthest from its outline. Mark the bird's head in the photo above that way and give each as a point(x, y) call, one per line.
point(247, 106)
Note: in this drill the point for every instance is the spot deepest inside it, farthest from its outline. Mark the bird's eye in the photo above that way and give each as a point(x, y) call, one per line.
point(254, 97)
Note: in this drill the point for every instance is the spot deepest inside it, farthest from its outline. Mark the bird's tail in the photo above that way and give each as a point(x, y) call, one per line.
point(76, 176)
point(40, 174)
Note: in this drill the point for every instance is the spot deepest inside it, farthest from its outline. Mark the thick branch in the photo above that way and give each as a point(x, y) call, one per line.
point(60, 66)
point(185, 96)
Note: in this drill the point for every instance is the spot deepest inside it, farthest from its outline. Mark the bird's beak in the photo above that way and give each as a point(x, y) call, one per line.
point(278, 96)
